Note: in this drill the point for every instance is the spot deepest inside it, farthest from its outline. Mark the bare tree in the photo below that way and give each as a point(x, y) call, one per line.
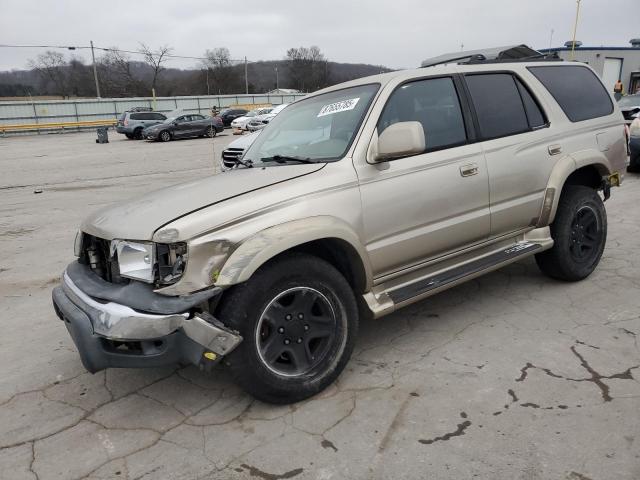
point(51, 66)
point(308, 68)
point(155, 60)
point(222, 76)
point(116, 76)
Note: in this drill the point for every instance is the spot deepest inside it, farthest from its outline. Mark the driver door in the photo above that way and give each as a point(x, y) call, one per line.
point(181, 126)
point(424, 206)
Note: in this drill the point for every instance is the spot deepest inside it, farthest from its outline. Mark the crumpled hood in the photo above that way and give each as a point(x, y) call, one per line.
point(139, 218)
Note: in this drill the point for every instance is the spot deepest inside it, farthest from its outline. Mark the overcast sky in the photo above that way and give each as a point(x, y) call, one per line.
point(394, 33)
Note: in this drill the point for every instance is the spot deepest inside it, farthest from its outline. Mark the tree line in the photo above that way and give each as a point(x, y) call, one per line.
point(51, 73)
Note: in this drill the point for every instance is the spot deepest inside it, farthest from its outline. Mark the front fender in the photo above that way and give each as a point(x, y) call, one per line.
point(266, 244)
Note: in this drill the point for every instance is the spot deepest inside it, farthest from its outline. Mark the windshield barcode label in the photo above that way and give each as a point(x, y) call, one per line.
point(338, 107)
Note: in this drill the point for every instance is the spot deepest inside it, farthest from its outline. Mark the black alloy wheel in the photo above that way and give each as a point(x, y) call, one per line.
point(586, 235)
point(579, 233)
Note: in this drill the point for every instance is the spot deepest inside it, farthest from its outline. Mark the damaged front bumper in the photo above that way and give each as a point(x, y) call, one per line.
point(124, 326)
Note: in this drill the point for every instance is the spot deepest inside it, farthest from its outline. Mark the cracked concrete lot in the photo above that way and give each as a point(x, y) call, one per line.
point(510, 376)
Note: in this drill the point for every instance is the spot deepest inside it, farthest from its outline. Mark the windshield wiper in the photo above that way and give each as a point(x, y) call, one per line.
point(286, 158)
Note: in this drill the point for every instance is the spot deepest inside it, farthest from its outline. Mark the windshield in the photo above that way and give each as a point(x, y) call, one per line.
point(629, 101)
point(319, 128)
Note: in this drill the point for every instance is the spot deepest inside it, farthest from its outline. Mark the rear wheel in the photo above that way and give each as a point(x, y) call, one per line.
point(211, 132)
point(579, 232)
point(137, 134)
point(129, 136)
point(298, 318)
point(164, 136)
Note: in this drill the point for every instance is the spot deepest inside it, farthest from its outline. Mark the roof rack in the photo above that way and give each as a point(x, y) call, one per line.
point(509, 54)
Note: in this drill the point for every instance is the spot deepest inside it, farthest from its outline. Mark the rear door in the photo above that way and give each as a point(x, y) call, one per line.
point(199, 124)
point(512, 129)
point(423, 206)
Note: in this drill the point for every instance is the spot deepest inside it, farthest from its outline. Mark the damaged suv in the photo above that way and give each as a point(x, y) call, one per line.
point(355, 201)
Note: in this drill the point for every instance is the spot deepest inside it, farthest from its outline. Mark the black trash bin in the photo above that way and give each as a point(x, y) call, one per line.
point(103, 135)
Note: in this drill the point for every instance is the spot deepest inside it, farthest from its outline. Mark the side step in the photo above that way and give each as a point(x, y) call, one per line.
point(500, 258)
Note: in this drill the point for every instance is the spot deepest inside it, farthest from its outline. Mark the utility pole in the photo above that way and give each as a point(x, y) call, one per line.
point(95, 70)
point(575, 31)
point(246, 79)
point(551, 40)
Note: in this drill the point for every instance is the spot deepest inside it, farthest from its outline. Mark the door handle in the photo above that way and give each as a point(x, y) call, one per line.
point(555, 149)
point(468, 170)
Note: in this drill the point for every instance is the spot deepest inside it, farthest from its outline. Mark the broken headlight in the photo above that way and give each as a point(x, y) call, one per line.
point(135, 259)
point(172, 260)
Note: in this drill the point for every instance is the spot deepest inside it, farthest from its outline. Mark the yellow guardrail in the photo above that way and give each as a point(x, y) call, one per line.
point(55, 125)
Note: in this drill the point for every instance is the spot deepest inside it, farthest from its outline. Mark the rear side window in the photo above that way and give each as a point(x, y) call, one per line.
point(577, 90)
point(156, 116)
point(498, 105)
point(137, 116)
point(534, 112)
point(434, 103)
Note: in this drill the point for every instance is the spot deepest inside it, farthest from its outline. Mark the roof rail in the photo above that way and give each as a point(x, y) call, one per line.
point(509, 54)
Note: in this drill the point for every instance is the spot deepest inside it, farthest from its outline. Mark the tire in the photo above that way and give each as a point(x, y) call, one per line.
point(137, 134)
point(299, 319)
point(211, 132)
point(579, 232)
point(164, 136)
point(129, 136)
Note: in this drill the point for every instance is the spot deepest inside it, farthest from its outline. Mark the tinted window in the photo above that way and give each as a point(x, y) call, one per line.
point(156, 116)
point(577, 90)
point(434, 103)
point(197, 117)
point(137, 116)
point(534, 112)
point(498, 105)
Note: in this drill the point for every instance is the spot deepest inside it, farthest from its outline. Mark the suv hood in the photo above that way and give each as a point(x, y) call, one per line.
point(139, 218)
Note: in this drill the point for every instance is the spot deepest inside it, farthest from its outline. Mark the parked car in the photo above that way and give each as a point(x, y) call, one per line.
point(241, 123)
point(259, 122)
point(235, 150)
point(634, 145)
point(132, 122)
point(630, 107)
point(183, 126)
point(228, 115)
point(353, 202)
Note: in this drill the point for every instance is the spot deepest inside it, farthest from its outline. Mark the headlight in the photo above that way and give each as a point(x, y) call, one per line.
point(135, 259)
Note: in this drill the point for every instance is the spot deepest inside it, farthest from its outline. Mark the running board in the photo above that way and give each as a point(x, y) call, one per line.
point(490, 262)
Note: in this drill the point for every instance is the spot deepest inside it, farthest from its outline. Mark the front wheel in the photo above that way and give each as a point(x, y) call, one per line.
point(298, 318)
point(165, 136)
point(579, 232)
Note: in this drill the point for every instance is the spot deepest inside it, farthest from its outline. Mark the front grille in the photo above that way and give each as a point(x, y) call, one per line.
point(231, 155)
point(96, 252)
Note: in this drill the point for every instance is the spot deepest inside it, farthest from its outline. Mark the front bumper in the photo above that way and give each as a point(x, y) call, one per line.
point(115, 334)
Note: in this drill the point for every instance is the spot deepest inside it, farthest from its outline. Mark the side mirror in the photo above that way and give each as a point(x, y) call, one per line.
point(400, 140)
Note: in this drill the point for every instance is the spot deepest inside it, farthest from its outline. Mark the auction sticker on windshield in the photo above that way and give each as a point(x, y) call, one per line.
point(338, 107)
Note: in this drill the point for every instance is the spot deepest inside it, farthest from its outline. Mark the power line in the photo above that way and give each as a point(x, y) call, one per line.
point(106, 49)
